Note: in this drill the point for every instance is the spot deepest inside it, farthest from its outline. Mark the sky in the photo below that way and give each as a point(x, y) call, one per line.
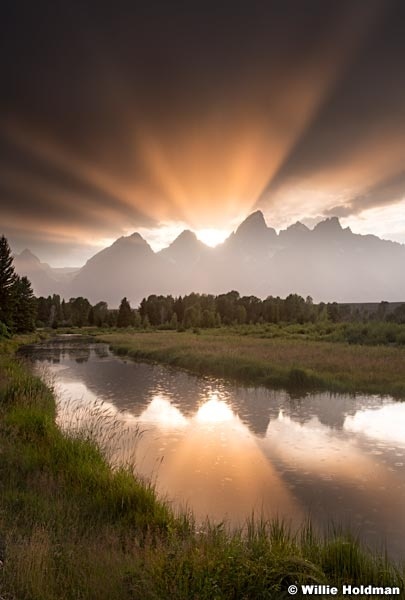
point(158, 116)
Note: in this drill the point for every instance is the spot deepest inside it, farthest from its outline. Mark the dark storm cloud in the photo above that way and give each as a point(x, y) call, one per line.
point(32, 186)
point(388, 191)
point(361, 121)
point(120, 115)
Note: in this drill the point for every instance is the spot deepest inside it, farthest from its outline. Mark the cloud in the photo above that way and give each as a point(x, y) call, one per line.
point(387, 191)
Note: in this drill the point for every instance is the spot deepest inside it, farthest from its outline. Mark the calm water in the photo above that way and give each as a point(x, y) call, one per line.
point(226, 451)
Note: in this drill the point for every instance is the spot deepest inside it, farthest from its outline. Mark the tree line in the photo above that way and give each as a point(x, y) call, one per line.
point(78, 312)
point(206, 311)
point(189, 311)
point(20, 311)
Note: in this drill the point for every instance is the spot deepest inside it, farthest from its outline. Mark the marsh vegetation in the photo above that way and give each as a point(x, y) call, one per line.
point(295, 356)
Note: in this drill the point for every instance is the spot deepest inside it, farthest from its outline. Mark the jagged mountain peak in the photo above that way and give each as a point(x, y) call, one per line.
point(298, 226)
point(186, 249)
point(26, 254)
point(328, 263)
point(331, 224)
point(133, 244)
point(253, 223)
point(28, 260)
point(294, 233)
point(124, 248)
point(186, 238)
point(134, 238)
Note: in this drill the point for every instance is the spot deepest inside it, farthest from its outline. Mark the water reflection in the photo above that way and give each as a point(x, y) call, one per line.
point(215, 411)
point(162, 413)
point(226, 451)
point(382, 424)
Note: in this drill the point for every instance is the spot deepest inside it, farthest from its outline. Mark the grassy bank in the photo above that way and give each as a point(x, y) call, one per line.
point(71, 528)
point(286, 360)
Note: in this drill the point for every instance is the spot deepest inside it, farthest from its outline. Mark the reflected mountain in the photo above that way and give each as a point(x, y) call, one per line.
point(227, 450)
point(131, 385)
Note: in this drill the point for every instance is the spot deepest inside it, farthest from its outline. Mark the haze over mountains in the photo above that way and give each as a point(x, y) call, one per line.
point(329, 263)
point(45, 279)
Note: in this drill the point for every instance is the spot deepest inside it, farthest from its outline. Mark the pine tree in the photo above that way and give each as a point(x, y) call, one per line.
point(25, 307)
point(7, 281)
point(80, 311)
point(100, 313)
point(174, 321)
point(124, 314)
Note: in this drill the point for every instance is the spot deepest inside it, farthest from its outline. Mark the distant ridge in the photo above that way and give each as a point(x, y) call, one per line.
point(44, 278)
point(329, 263)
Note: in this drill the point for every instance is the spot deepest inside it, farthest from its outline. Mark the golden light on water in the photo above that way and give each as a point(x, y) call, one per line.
point(161, 412)
point(207, 457)
point(214, 411)
point(217, 457)
point(314, 447)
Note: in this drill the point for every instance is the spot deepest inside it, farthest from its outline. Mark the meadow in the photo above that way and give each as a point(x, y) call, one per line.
point(73, 528)
point(296, 357)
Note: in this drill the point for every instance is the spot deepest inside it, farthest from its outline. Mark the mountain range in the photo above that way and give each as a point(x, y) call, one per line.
point(329, 263)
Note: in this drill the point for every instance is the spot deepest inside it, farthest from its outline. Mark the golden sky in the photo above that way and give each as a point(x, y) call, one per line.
point(156, 118)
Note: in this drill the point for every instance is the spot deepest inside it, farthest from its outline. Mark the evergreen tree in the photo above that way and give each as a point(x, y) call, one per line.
point(332, 309)
point(91, 317)
point(80, 308)
point(112, 318)
point(100, 314)
point(25, 308)
point(67, 312)
point(173, 321)
point(241, 314)
point(137, 319)
point(43, 311)
point(7, 281)
point(124, 314)
point(208, 318)
point(192, 316)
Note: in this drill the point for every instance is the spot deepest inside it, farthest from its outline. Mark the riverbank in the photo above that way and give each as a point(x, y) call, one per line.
point(70, 527)
point(288, 362)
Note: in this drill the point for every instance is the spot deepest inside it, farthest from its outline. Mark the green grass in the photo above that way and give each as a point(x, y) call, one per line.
point(255, 356)
point(73, 528)
point(61, 502)
point(368, 333)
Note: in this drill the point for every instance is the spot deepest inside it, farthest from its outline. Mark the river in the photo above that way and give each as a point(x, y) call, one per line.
point(228, 451)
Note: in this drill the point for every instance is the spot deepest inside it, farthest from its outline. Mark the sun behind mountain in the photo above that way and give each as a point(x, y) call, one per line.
point(212, 237)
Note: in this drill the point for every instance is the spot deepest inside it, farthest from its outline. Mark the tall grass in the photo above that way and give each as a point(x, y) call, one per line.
point(65, 514)
point(283, 361)
point(73, 528)
point(371, 333)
